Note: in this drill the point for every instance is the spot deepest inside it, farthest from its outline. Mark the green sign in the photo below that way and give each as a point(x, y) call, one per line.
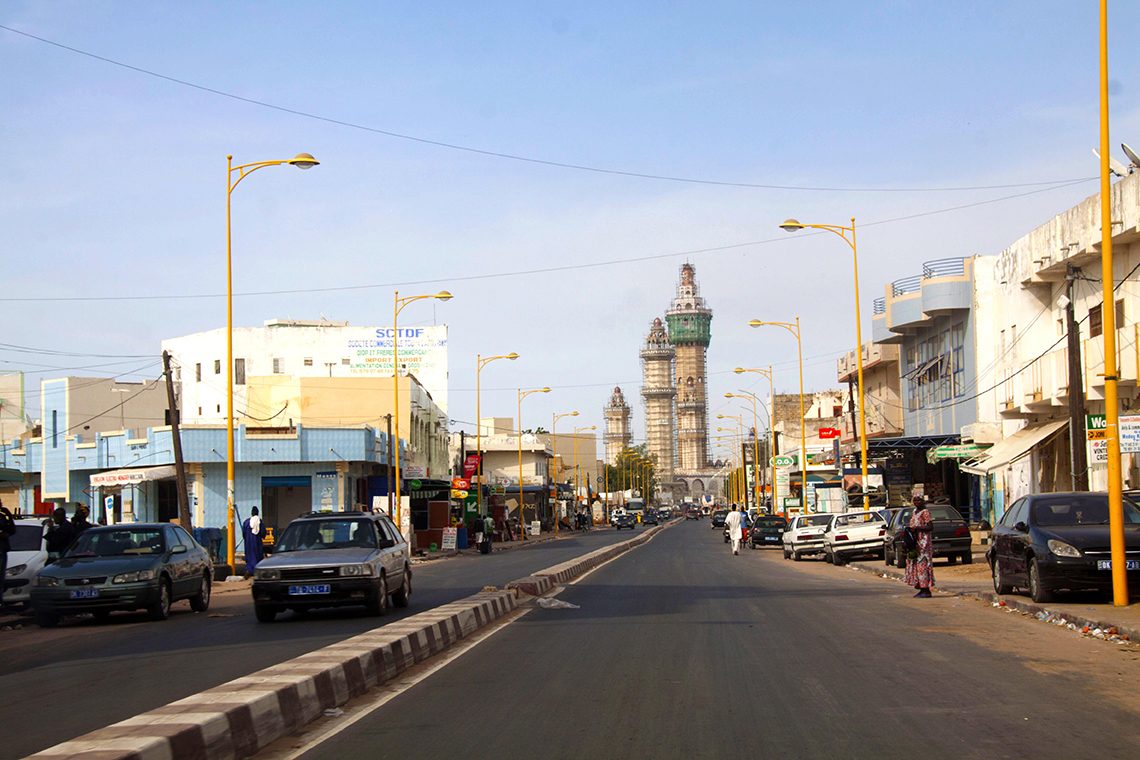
point(1096, 422)
point(783, 461)
point(415, 485)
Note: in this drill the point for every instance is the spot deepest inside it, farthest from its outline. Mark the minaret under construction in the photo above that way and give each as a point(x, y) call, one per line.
point(618, 434)
point(657, 392)
point(689, 321)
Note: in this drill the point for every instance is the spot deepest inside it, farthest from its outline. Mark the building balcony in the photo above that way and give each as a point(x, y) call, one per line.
point(1127, 362)
point(874, 354)
point(945, 286)
point(659, 392)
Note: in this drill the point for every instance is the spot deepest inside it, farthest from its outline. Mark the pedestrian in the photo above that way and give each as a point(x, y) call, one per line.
point(7, 529)
point(488, 529)
point(252, 531)
point(79, 521)
point(920, 560)
point(60, 534)
point(734, 524)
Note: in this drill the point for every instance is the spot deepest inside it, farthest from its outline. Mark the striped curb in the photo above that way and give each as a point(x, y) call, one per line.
point(239, 718)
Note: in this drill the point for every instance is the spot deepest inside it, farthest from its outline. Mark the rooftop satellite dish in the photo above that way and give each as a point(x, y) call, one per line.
point(1114, 166)
point(1132, 157)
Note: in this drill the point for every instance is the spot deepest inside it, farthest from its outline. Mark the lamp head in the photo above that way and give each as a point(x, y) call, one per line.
point(756, 323)
point(443, 295)
point(740, 370)
point(540, 390)
point(303, 161)
point(512, 356)
point(573, 414)
point(730, 395)
point(792, 225)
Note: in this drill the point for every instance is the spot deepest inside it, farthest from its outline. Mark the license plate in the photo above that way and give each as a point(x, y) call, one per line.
point(771, 538)
point(1129, 564)
point(84, 593)
point(315, 588)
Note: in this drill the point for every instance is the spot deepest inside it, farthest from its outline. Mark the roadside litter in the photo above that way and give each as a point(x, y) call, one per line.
point(556, 604)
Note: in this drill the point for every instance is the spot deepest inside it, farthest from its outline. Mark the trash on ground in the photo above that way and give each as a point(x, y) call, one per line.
point(556, 604)
point(334, 712)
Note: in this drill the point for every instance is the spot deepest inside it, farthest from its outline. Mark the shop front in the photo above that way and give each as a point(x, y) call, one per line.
point(136, 494)
point(910, 468)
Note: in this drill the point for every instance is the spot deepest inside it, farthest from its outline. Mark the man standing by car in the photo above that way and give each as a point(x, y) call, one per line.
point(252, 531)
point(59, 535)
point(734, 524)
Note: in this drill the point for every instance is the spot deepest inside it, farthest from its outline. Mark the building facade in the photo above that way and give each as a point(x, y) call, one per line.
point(658, 396)
point(619, 434)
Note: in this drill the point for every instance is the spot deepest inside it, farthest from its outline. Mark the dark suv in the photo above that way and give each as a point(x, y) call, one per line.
point(624, 520)
point(329, 559)
point(951, 535)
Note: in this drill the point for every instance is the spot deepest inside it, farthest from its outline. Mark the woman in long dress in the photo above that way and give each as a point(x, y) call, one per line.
point(920, 568)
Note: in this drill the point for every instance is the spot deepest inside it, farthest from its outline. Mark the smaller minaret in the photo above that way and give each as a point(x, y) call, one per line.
point(618, 433)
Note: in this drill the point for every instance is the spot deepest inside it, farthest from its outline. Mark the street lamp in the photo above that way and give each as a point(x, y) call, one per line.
point(755, 442)
point(480, 363)
point(554, 459)
point(791, 225)
point(771, 420)
point(522, 515)
point(739, 431)
point(301, 161)
point(794, 329)
point(398, 305)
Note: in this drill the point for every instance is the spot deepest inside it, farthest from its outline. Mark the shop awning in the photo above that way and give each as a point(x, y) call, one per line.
point(1013, 448)
point(8, 475)
point(131, 476)
point(960, 452)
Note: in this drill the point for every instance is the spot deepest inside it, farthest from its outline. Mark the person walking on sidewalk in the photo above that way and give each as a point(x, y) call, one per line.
point(734, 524)
point(488, 529)
point(920, 566)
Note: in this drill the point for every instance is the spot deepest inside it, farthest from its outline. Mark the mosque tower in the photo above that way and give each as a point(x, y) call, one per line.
point(657, 392)
point(618, 434)
point(689, 321)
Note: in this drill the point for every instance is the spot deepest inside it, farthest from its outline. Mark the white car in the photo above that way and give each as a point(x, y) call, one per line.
point(805, 536)
point(26, 557)
point(853, 534)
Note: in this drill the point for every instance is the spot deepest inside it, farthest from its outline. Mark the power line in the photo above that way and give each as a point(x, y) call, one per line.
point(505, 155)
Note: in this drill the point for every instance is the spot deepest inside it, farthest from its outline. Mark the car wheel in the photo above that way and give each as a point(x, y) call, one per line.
point(1037, 592)
point(46, 620)
point(101, 616)
point(796, 556)
point(1000, 586)
point(787, 554)
point(200, 602)
point(160, 610)
point(264, 614)
point(967, 557)
point(900, 559)
point(951, 559)
point(837, 559)
point(379, 605)
point(402, 597)
point(888, 555)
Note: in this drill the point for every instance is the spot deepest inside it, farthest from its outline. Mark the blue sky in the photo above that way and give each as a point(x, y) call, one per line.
point(114, 180)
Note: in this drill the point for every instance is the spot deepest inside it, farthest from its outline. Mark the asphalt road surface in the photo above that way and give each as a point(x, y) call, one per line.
point(681, 650)
point(61, 683)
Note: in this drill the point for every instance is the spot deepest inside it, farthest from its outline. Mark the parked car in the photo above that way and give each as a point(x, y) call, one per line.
point(331, 559)
point(624, 520)
point(718, 519)
point(124, 567)
point(767, 530)
point(853, 534)
point(1060, 541)
point(804, 536)
point(665, 514)
point(693, 514)
point(649, 517)
point(26, 557)
point(951, 535)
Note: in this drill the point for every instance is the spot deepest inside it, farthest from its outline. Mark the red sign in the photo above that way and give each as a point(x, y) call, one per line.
point(470, 465)
point(460, 484)
point(829, 432)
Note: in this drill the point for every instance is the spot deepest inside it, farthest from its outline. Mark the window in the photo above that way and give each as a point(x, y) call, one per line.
point(958, 359)
point(277, 366)
point(217, 366)
point(1096, 326)
point(308, 361)
point(198, 372)
point(1119, 313)
point(239, 371)
point(54, 428)
point(346, 361)
point(219, 408)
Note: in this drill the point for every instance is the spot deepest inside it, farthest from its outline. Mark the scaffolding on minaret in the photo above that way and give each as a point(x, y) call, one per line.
point(658, 393)
point(619, 434)
point(689, 322)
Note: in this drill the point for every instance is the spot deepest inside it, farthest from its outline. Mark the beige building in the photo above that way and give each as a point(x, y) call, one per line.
point(881, 384)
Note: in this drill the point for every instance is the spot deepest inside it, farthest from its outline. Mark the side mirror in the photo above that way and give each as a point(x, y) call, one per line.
point(1021, 527)
point(180, 549)
point(387, 543)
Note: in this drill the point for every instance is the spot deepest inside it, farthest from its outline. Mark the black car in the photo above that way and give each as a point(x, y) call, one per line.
point(718, 518)
point(1060, 541)
point(649, 517)
point(624, 520)
point(767, 531)
point(951, 535)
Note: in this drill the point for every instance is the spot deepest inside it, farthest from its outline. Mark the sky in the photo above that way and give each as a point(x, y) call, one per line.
point(113, 178)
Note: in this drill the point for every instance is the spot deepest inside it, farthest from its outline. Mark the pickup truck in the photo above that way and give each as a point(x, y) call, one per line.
point(853, 534)
point(951, 535)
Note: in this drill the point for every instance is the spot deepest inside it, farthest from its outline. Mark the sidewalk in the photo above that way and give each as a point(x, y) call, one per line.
point(500, 546)
point(1086, 613)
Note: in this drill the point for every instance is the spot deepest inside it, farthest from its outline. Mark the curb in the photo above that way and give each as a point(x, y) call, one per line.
point(243, 716)
point(1042, 613)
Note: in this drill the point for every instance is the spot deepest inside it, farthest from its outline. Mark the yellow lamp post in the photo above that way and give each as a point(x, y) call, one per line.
point(522, 515)
point(301, 161)
point(794, 329)
point(480, 363)
point(771, 420)
point(554, 459)
point(1108, 312)
point(751, 398)
point(740, 437)
point(848, 235)
point(398, 305)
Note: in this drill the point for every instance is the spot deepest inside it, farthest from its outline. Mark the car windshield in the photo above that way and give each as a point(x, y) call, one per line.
point(28, 538)
point(720, 513)
point(770, 522)
point(307, 535)
point(945, 513)
point(1081, 509)
point(815, 521)
point(117, 542)
point(859, 518)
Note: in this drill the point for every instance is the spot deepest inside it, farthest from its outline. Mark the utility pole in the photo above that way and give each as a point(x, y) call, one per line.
point(176, 438)
point(388, 459)
point(1077, 456)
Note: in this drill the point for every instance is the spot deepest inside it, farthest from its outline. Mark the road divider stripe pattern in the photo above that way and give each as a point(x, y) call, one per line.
point(243, 716)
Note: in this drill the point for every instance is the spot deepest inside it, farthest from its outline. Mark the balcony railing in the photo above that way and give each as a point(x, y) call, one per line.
point(906, 285)
point(943, 268)
point(879, 306)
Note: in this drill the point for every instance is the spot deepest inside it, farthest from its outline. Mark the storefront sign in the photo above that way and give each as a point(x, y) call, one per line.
point(449, 538)
point(460, 484)
point(470, 465)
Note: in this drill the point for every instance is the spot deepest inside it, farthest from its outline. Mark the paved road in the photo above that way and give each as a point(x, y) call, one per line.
point(681, 650)
point(61, 683)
